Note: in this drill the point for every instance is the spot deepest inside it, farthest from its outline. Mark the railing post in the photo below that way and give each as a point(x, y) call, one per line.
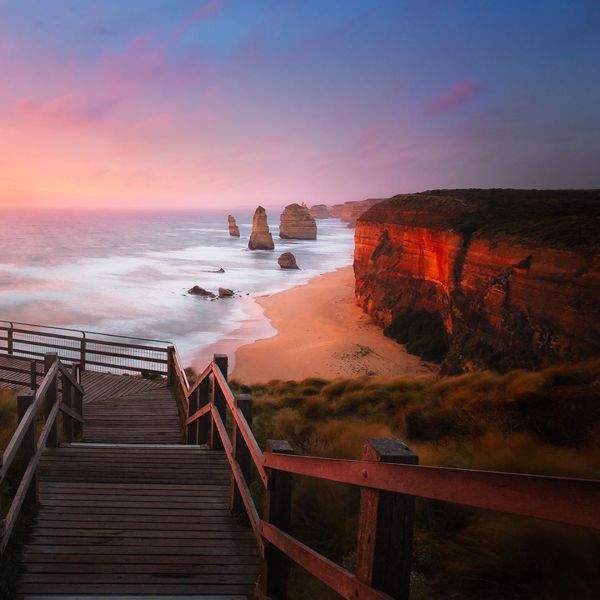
point(240, 451)
point(82, 352)
point(33, 374)
point(28, 446)
point(385, 526)
point(277, 510)
point(205, 421)
point(10, 339)
point(51, 398)
point(76, 370)
point(77, 401)
point(219, 401)
point(192, 428)
point(67, 420)
point(171, 365)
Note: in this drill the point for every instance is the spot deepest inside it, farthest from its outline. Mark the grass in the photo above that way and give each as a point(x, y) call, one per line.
point(545, 422)
point(10, 560)
point(8, 416)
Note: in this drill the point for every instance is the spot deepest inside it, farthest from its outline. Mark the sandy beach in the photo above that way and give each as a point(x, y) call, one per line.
point(321, 332)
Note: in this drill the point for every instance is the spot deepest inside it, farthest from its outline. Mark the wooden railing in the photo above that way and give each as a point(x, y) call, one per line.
point(59, 391)
point(389, 478)
point(92, 350)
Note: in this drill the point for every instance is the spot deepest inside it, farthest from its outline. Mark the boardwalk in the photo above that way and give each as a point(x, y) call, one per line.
point(138, 509)
point(132, 511)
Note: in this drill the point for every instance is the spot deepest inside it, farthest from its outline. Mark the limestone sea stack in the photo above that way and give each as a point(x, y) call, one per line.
point(297, 223)
point(287, 261)
point(260, 238)
point(320, 211)
point(234, 230)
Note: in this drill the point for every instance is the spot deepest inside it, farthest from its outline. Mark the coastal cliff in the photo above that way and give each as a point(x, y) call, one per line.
point(351, 211)
point(484, 278)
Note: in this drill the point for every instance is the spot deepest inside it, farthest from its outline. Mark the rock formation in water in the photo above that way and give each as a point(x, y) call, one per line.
point(287, 261)
point(297, 223)
point(260, 238)
point(319, 211)
point(199, 291)
point(484, 278)
point(225, 293)
point(234, 230)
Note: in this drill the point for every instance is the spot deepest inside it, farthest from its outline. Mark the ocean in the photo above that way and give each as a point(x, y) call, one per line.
point(128, 273)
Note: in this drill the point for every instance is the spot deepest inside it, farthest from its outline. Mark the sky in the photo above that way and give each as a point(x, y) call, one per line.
point(162, 104)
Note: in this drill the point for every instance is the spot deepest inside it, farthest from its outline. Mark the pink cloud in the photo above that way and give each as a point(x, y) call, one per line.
point(67, 111)
point(455, 96)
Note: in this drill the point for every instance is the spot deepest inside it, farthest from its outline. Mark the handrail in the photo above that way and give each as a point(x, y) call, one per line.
point(70, 377)
point(23, 442)
point(560, 499)
point(342, 581)
point(10, 453)
point(253, 448)
point(124, 337)
point(98, 350)
point(239, 478)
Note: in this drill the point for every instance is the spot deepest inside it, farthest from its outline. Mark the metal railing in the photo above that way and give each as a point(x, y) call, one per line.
point(93, 350)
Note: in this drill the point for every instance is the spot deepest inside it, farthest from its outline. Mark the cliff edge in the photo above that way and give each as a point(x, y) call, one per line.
point(484, 278)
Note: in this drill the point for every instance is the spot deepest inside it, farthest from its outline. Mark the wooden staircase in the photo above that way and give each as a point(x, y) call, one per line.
point(131, 511)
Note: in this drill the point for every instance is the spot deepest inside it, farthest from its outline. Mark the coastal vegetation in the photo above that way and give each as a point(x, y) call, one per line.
point(545, 422)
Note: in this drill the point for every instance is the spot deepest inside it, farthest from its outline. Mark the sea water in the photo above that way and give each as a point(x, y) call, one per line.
point(128, 273)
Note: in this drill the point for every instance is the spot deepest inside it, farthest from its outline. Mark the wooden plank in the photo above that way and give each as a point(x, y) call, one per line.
point(560, 499)
point(385, 526)
point(239, 478)
point(120, 589)
point(337, 578)
point(197, 414)
point(251, 443)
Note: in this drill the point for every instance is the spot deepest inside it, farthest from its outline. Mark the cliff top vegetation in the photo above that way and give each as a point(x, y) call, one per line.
point(552, 218)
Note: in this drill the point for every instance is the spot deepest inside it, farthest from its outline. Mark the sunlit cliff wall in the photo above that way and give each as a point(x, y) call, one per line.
point(484, 278)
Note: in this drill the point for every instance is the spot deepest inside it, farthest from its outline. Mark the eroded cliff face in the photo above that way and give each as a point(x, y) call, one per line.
point(467, 281)
point(351, 211)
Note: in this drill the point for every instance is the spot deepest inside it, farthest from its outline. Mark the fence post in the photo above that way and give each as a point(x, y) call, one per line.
point(33, 374)
point(51, 398)
point(222, 362)
point(171, 365)
point(385, 526)
point(10, 339)
point(277, 510)
point(204, 422)
point(67, 420)
point(240, 451)
point(77, 401)
point(28, 446)
point(192, 428)
point(82, 352)
point(76, 370)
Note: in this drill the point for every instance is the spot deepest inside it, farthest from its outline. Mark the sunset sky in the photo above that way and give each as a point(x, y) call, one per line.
point(185, 104)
